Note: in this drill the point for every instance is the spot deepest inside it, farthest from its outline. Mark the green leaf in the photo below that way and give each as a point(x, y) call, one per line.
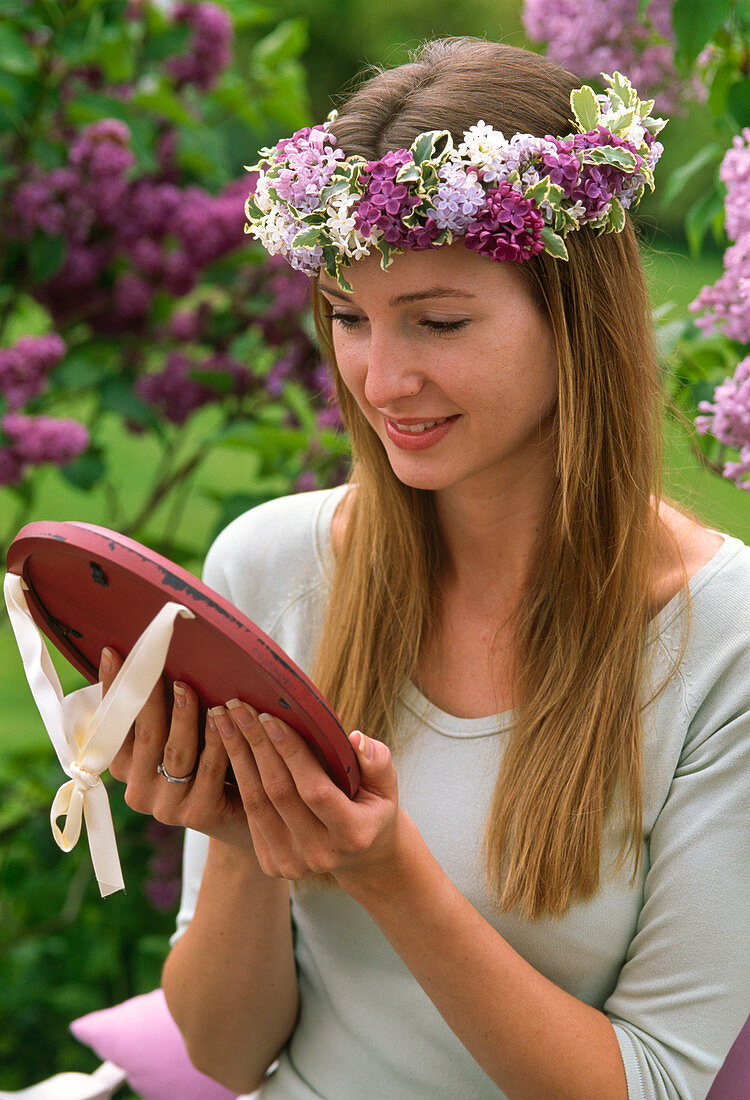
point(694, 25)
point(45, 256)
point(16, 56)
point(87, 470)
point(164, 102)
point(611, 154)
point(585, 107)
point(117, 396)
point(738, 102)
point(307, 238)
point(701, 217)
point(616, 220)
point(553, 244)
point(285, 42)
point(682, 176)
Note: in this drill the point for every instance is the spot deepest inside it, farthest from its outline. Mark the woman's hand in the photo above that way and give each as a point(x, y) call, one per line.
point(301, 823)
point(203, 801)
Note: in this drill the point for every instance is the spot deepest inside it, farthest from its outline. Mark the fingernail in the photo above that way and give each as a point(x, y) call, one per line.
point(179, 694)
point(273, 728)
point(241, 714)
point(210, 721)
point(224, 723)
point(364, 745)
point(105, 665)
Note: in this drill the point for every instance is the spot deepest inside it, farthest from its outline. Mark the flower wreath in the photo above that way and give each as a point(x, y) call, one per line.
point(510, 199)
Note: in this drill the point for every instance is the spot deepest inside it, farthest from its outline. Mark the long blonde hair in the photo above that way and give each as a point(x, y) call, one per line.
point(575, 749)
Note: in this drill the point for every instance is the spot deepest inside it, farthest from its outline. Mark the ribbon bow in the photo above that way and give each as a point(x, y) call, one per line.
point(87, 728)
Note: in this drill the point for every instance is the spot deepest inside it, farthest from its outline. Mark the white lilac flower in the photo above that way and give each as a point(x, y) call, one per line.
point(341, 225)
point(459, 196)
point(485, 148)
point(523, 149)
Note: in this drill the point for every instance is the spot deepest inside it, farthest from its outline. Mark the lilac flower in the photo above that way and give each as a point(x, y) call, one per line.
point(25, 366)
point(210, 50)
point(728, 419)
point(459, 196)
point(726, 304)
point(385, 203)
point(508, 228)
point(312, 161)
point(11, 466)
point(38, 439)
point(171, 391)
point(595, 36)
point(103, 149)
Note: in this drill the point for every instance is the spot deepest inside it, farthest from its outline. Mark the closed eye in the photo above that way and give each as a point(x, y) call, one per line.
point(350, 321)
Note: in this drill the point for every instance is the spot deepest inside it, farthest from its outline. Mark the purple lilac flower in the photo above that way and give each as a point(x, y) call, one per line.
point(459, 197)
point(590, 37)
point(726, 304)
point(171, 391)
point(210, 50)
point(727, 418)
point(593, 185)
point(25, 366)
point(38, 439)
point(385, 203)
point(103, 149)
point(311, 163)
point(11, 466)
point(162, 887)
point(509, 227)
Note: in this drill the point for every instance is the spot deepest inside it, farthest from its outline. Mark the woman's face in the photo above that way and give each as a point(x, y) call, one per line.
point(453, 364)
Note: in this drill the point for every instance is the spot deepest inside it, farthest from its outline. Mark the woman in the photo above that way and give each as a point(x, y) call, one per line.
point(528, 895)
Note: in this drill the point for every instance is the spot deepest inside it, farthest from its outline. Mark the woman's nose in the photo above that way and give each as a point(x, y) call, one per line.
point(391, 374)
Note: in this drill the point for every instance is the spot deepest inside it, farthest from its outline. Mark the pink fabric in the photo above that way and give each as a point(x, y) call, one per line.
point(733, 1079)
point(141, 1037)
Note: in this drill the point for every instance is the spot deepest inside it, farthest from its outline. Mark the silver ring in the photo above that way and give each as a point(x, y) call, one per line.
point(161, 770)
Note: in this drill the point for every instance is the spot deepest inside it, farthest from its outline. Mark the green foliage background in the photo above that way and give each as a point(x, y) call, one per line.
point(64, 951)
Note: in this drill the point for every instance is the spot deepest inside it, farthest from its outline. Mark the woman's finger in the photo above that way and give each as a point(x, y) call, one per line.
point(180, 754)
point(109, 665)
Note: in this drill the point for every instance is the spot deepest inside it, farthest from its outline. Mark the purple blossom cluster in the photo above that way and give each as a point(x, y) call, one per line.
point(459, 197)
point(509, 227)
point(595, 36)
point(727, 418)
point(163, 883)
point(591, 185)
point(385, 203)
point(314, 162)
point(35, 440)
point(25, 367)
point(175, 391)
point(125, 239)
point(726, 304)
point(210, 50)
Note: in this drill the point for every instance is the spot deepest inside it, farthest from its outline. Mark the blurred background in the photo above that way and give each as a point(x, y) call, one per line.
point(158, 372)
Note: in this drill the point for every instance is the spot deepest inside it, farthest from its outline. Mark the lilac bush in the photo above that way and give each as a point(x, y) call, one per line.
point(590, 37)
point(121, 223)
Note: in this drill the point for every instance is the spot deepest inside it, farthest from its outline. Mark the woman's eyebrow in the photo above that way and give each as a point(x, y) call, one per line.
point(402, 299)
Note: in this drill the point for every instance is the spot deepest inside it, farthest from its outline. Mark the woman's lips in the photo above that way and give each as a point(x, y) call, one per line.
point(418, 435)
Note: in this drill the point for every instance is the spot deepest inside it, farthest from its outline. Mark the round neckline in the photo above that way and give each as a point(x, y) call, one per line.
point(488, 725)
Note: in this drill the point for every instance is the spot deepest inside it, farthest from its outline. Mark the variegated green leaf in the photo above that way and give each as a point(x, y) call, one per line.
point(622, 87)
point(616, 220)
point(585, 107)
point(620, 120)
point(432, 145)
point(385, 251)
point(408, 174)
point(308, 238)
point(334, 188)
point(553, 244)
point(611, 154)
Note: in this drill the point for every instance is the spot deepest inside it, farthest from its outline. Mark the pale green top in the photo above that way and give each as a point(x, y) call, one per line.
point(667, 958)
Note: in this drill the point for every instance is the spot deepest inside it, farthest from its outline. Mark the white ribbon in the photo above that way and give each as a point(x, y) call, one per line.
point(86, 728)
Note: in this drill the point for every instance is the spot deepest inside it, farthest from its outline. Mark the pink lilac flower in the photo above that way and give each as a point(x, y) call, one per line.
point(312, 162)
point(508, 228)
point(103, 149)
point(38, 439)
point(590, 37)
point(24, 367)
point(726, 304)
point(727, 418)
point(210, 50)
